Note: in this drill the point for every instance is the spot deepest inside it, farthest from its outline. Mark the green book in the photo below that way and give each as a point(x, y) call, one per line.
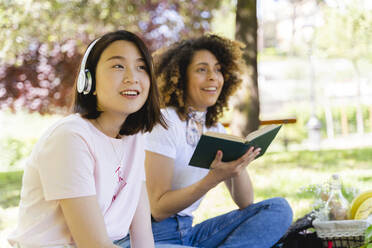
point(233, 147)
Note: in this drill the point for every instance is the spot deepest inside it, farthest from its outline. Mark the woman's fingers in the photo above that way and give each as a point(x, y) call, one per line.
point(245, 157)
point(238, 164)
point(249, 156)
point(255, 153)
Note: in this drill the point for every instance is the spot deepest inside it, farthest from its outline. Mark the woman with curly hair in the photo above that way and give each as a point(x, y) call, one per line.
point(197, 77)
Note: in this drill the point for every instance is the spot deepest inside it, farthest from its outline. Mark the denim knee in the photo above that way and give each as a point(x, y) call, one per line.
point(279, 207)
point(282, 208)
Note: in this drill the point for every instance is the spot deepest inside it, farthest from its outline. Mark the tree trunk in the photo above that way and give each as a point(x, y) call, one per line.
point(246, 32)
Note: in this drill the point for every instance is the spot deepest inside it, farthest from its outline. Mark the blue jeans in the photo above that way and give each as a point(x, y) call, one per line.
point(260, 225)
point(125, 243)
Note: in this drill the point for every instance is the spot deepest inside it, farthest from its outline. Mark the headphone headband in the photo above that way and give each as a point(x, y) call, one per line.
point(87, 52)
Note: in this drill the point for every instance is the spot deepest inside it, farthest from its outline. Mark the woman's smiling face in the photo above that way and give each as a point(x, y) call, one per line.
point(122, 81)
point(204, 80)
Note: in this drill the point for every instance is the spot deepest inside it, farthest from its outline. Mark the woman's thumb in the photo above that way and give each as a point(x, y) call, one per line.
point(218, 157)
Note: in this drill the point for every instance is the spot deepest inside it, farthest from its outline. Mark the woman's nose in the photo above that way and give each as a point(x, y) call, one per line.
point(212, 75)
point(130, 77)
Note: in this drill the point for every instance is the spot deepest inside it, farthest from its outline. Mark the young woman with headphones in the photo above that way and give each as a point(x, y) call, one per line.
point(83, 185)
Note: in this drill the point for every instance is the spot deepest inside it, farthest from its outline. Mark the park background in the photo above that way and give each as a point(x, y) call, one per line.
point(306, 59)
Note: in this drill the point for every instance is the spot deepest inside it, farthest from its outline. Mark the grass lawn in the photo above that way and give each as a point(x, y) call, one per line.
point(275, 174)
point(286, 173)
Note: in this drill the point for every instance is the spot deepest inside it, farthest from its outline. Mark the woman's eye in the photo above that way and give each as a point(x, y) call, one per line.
point(201, 70)
point(118, 66)
point(142, 67)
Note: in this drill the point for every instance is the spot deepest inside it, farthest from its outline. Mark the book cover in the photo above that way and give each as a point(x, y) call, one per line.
point(233, 147)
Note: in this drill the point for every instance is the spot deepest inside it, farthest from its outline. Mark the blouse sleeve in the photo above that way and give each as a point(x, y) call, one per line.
point(163, 141)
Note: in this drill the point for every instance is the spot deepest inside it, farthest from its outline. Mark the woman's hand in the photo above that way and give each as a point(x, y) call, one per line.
point(220, 171)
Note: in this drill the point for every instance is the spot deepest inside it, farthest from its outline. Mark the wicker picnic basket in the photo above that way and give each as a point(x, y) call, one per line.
point(341, 233)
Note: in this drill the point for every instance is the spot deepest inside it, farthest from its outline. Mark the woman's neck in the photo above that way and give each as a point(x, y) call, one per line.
point(193, 108)
point(109, 125)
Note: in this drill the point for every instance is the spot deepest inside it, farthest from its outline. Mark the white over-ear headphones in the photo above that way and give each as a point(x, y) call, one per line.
point(84, 82)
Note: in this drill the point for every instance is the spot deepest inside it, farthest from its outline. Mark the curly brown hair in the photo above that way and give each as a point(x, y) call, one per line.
point(171, 66)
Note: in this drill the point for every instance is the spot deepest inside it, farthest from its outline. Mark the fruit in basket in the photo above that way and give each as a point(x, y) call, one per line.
point(358, 200)
point(364, 210)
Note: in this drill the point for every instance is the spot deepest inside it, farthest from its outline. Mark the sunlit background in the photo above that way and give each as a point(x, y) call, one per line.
point(314, 67)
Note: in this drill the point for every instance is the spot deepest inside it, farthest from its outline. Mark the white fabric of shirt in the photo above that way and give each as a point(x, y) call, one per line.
point(74, 159)
point(172, 143)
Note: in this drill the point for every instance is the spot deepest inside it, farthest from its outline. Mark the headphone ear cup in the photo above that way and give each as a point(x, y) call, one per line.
point(84, 82)
point(88, 82)
point(81, 82)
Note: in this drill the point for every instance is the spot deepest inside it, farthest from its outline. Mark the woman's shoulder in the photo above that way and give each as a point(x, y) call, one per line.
point(72, 123)
point(174, 123)
point(71, 129)
point(169, 112)
point(68, 125)
point(171, 116)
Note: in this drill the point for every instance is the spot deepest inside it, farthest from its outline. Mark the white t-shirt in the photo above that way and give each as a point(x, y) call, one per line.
point(172, 143)
point(75, 159)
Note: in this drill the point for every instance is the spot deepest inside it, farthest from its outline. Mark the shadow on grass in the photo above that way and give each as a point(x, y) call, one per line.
point(10, 188)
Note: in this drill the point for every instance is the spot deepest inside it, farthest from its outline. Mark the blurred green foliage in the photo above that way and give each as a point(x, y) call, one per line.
point(14, 150)
point(42, 41)
point(346, 32)
point(53, 21)
point(328, 160)
point(10, 185)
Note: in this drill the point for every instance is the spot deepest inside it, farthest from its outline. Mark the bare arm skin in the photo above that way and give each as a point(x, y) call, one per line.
point(166, 202)
point(140, 230)
point(85, 221)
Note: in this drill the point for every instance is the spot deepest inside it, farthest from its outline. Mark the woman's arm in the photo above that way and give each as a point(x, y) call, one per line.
point(140, 229)
point(166, 202)
point(240, 186)
point(241, 189)
point(85, 221)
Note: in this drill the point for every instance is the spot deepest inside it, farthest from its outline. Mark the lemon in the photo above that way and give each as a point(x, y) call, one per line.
point(364, 210)
point(357, 202)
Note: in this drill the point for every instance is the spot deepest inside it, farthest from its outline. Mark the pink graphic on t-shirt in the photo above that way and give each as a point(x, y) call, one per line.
point(121, 182)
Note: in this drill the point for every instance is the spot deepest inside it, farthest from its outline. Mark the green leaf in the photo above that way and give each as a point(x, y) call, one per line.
point(368, 236)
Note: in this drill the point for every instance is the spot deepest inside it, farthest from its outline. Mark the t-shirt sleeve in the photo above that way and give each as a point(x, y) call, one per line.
point(162, 141)
point(66, 165)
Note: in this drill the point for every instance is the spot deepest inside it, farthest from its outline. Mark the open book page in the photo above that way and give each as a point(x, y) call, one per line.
point(225, 136)
point(259, 132)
